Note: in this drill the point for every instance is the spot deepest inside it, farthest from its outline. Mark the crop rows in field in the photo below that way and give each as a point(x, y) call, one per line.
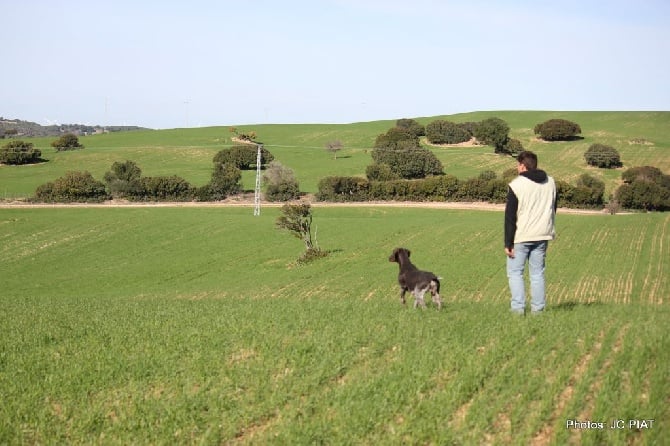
point(196, 325)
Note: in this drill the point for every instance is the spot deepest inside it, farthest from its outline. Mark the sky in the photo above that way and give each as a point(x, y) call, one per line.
point(173, 64)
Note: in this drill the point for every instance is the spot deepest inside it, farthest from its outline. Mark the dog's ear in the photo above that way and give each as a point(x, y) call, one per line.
point(408, 252)
point(394, 256)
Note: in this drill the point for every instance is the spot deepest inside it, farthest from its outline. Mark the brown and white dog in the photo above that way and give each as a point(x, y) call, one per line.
point(414, 280)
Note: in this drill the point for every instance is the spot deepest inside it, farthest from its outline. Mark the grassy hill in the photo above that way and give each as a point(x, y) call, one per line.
point(642, 138)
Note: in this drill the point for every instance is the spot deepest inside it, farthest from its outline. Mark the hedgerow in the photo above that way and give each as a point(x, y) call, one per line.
point(73, 187)
point(165, 188)
point(587, 192)
point(341, 189)
point(487, 187)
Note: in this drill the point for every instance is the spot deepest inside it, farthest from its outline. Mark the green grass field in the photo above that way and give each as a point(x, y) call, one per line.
point(195, 326)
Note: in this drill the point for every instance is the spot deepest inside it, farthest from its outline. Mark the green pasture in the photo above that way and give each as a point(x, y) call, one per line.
point(642, 138)
point(194, 325)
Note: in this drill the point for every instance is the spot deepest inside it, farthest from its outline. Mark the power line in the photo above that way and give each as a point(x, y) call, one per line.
point(257, 189)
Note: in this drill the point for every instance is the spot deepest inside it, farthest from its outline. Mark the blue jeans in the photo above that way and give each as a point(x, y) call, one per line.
point(534, 253)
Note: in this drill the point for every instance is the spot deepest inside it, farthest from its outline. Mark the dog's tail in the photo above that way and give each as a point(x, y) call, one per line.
point(436, 283)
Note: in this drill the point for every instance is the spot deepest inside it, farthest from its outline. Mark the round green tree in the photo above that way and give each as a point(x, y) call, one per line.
point(600, 155)
point(493, 132)
point(18, 152)
point(68, 141)
point(557, 130)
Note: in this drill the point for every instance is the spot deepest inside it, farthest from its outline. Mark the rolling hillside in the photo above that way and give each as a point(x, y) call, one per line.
point(642, 138)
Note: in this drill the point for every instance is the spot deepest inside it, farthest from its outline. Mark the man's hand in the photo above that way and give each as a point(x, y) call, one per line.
point(509, 252)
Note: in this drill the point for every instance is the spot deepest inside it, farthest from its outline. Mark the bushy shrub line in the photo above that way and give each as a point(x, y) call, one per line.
point(165, 188)
point(342, 189)
point(73, 187)
point(586, 193)
point(434, 188)
point(81, 187)
point(125, 181)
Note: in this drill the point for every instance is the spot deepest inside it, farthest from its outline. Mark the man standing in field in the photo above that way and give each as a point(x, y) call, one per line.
point(529, 225)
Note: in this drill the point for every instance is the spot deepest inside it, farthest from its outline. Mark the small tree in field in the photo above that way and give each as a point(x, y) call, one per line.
point(600, 155)
point(281, 184)
point(493, 132)
point(19, 152)
point(557, 130)
point(334, 147)
point(297, 219)
point(68, 141)
point(243, 156)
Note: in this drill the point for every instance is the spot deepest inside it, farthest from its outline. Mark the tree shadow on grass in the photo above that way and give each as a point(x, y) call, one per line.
point(566, 139)
point(35, 162)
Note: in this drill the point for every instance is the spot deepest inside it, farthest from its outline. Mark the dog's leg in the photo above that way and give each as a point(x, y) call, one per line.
point(436, 295)
point(418, 297)
point(402, 296)
point(437, 301)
